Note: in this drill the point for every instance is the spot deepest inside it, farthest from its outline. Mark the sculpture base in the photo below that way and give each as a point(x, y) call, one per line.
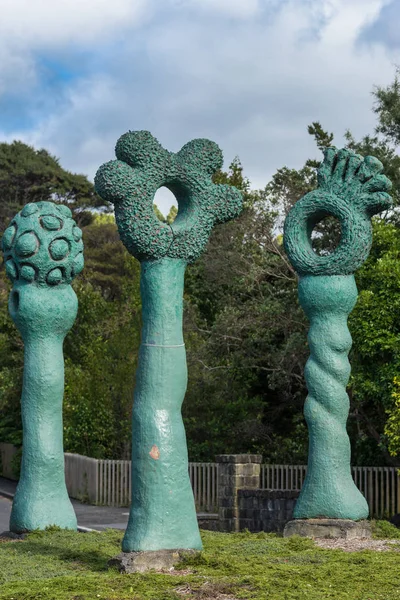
point(328, 528)
point(13, 536)
point(157, 560)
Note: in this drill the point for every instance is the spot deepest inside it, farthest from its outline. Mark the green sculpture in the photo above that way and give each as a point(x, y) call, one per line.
point(43, 253)
point(162, 515)
point(352, 189)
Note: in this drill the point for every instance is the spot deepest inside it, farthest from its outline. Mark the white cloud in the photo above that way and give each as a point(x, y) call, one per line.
point(29, 26)
point(41, 23)
point(231, 8)
point(252, 84)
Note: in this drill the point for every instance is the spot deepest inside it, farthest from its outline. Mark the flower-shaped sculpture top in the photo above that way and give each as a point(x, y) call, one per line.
point(43, 244)
point(143, 166)
point(350, 188)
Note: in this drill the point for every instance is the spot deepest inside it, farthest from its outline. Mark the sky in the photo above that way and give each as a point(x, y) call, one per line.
point(248, 74)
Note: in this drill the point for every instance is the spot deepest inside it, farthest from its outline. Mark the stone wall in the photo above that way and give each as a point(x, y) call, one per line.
point(242, 504)
point(235, 472)
point(265, 510)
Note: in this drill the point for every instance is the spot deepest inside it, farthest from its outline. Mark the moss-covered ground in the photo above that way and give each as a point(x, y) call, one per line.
point(59, 565)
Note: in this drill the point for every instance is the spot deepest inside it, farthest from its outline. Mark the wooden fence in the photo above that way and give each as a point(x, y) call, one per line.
point(109, 482)
point(81, 477)
point(204, 480)
point(379, 485)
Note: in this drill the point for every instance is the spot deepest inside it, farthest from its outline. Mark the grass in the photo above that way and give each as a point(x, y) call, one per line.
point(61, 565)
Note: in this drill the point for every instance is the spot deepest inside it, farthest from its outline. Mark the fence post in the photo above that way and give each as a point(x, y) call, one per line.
point(235, 472)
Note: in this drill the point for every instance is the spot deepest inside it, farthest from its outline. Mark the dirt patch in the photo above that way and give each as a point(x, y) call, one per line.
point(358, 545)
point(208, 591)
point(176, 572)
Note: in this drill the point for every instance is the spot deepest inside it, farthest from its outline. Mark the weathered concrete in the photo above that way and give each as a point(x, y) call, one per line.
point(12, 536)
point(140, 562)
point(328, 528)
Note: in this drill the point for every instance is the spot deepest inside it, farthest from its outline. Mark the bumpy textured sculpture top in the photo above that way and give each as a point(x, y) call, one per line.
point(143, 166)
point(350, 188)
point(44, 245)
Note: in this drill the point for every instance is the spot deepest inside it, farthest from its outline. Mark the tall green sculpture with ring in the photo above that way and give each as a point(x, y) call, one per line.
point(42, 253)
point(352, 189)
point(162, 515)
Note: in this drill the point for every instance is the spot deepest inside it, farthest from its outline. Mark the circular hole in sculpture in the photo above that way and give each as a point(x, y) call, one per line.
point(165, 205)
point(326, 235)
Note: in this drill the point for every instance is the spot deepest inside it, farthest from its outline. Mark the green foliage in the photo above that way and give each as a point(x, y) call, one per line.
point(29, 175)
point(387, 107)
point(62, 565)
point(375, 327)
point(383, 530)
point(101, 350)
point(243, 329)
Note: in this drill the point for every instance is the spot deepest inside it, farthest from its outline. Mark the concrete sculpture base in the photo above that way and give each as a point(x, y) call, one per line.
point(10, 535)
point(157, 560)
point(328, 528)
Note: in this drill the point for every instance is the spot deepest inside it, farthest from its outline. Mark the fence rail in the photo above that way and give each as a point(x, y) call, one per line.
point(379, 485)
point(204, 480)
point(81, 477)
point(109, 482)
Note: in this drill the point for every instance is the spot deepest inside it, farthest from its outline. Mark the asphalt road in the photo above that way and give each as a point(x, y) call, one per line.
point(5, 510)
point(92, 517)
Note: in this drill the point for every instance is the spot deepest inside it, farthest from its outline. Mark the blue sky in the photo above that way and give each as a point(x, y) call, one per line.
point(249, 74)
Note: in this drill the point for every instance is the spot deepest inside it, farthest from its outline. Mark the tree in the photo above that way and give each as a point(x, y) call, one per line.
point(29, 175)
point(245, 338)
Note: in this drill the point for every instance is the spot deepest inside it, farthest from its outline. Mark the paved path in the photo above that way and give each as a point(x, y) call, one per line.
point(93, 517)
point(5, 510)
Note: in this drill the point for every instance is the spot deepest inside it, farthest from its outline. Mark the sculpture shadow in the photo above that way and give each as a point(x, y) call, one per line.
point(55, 547)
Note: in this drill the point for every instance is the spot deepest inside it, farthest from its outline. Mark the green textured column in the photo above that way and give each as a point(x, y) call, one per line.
point(43, 252)
point(162, 514)
point(328, 489)
point(352, 189)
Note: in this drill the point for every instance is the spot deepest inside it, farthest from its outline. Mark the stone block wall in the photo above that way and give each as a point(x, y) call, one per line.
point(242, 504)
point(236, 471)
point(265, 510)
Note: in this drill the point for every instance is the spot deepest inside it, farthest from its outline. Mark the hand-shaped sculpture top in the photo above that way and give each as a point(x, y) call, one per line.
point(162, 515)
point(352, 189)
point(43, 252)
